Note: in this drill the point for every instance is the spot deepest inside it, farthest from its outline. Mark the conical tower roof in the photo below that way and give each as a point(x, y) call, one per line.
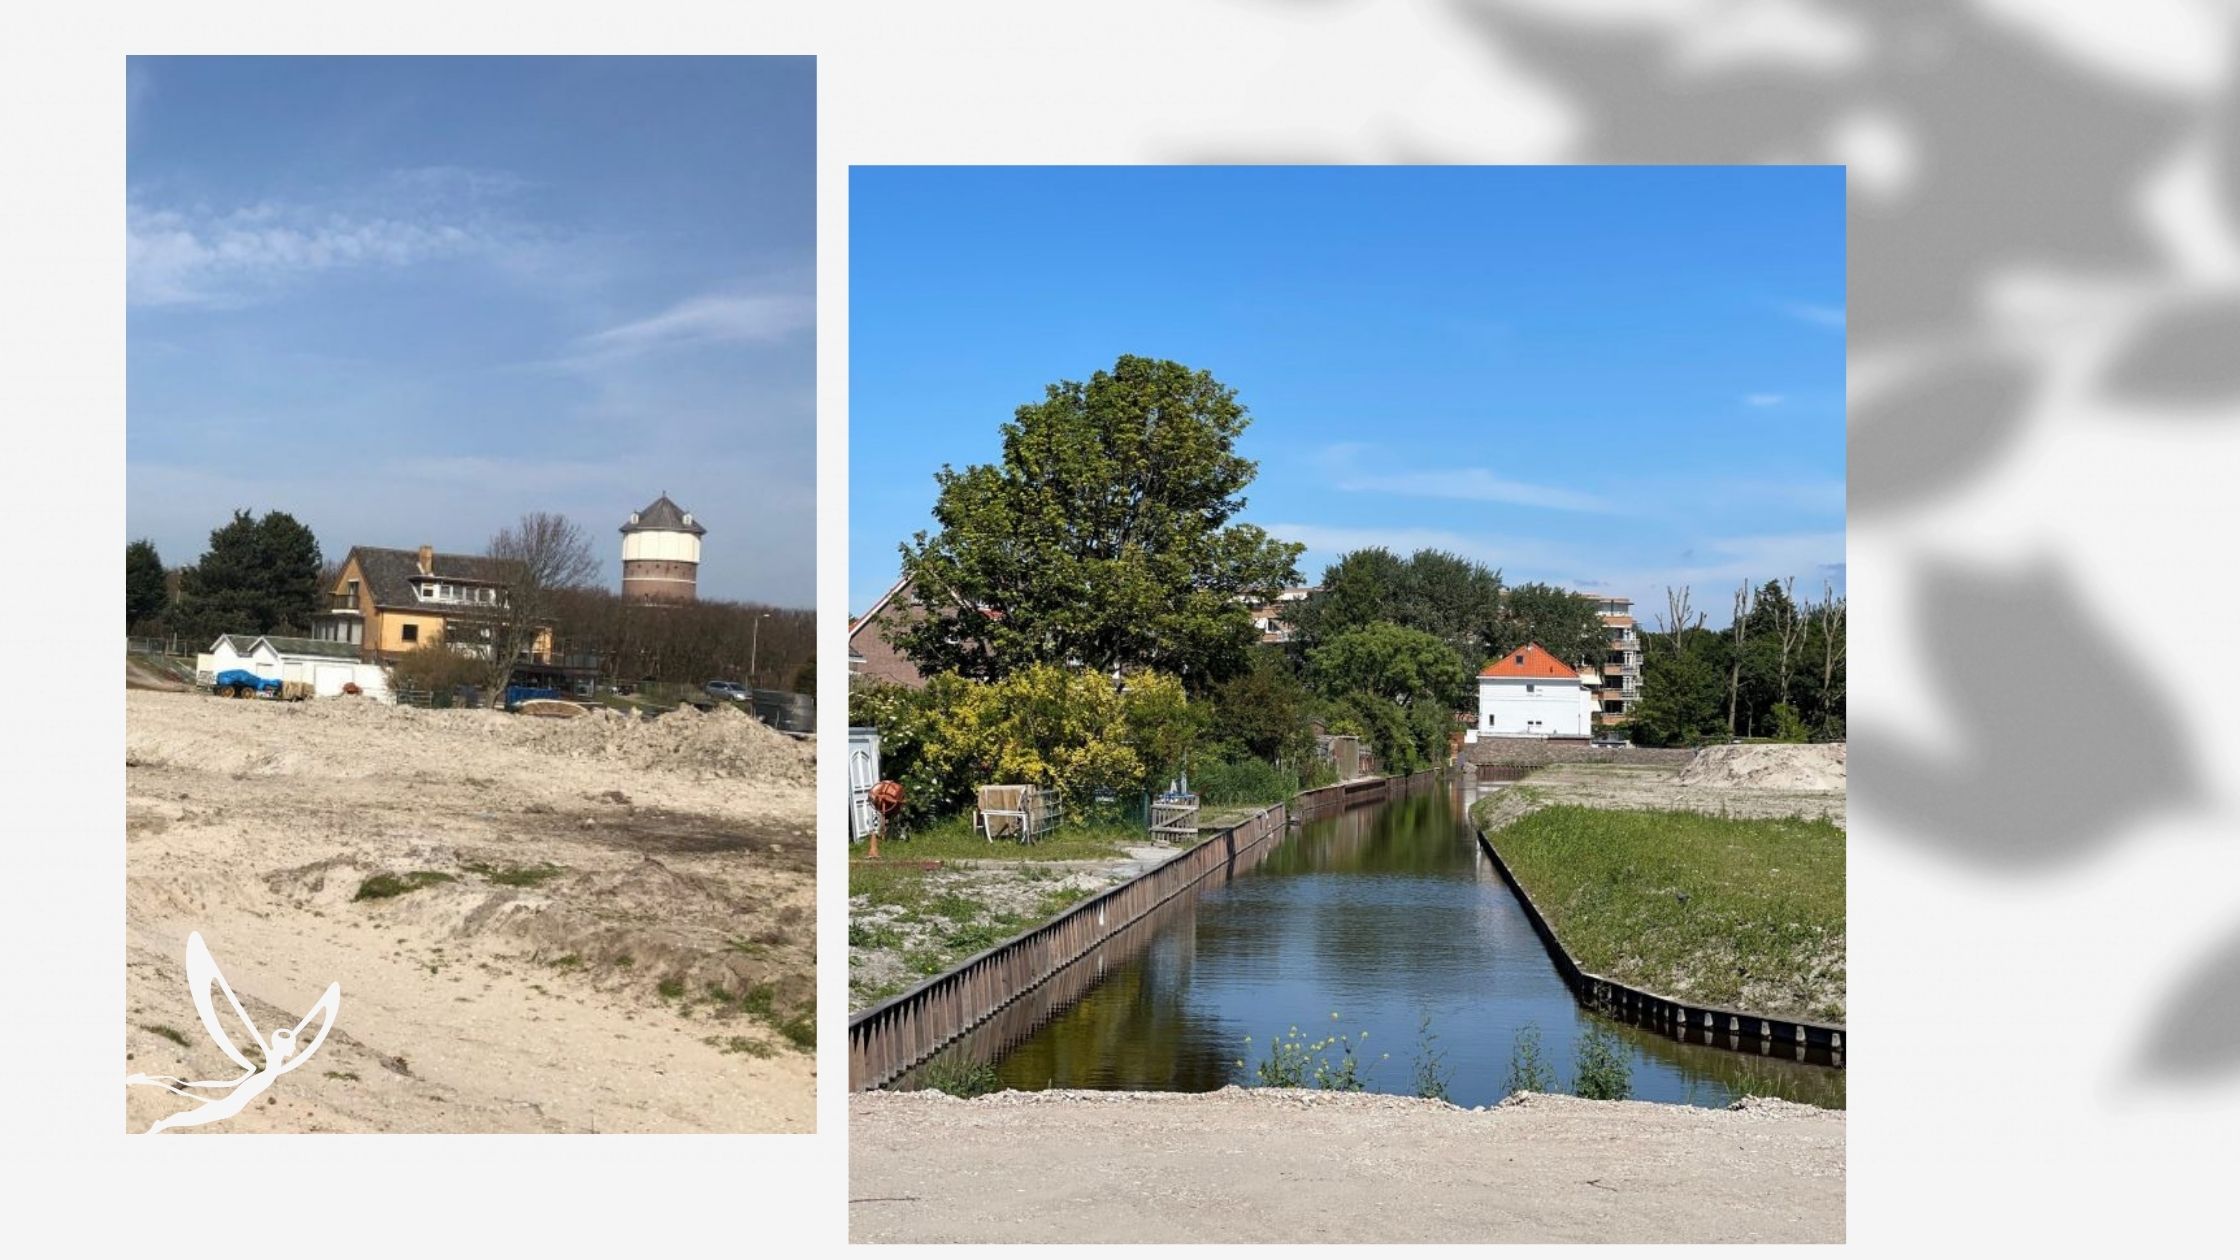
point(662, 514)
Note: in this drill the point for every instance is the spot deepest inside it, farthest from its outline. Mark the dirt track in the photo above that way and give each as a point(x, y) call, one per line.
point(616, 934)
point(1301, 1166)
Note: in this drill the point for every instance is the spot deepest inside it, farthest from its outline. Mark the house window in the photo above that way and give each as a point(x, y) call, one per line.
point(411, 632)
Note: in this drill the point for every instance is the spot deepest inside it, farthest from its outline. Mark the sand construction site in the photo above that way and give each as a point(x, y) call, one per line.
point(592, 924)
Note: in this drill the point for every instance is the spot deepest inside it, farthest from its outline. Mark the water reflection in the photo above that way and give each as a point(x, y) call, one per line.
point(1384, 915)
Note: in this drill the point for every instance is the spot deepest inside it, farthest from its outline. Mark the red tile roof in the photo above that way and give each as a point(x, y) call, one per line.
point(1529, 661)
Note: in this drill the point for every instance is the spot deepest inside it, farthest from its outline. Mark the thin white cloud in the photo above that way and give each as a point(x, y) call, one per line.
point(1764, 400)
point(175, 258)
point(1814, 313)
point(1481, 485)
point(702, 320)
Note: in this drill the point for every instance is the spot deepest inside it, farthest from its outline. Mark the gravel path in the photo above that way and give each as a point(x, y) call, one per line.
point(1299, 1166)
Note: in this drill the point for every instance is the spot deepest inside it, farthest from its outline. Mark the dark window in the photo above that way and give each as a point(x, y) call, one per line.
point(411, 633)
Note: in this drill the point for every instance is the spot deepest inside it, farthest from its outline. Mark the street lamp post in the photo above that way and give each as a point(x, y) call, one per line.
point(754, 646)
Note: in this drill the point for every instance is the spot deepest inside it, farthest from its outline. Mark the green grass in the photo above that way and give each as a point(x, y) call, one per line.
point(388, 885)
point(1741, 913)
point(954, 838)
point(958, 925)
point(516, 876)
point(959, 1077)
point(166, 1031)
point(753, 1047)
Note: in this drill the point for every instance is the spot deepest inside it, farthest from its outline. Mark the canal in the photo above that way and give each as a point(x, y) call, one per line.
point(1389, 918)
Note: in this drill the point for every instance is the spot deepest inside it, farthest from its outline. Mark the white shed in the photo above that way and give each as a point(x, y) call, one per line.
point(1530, 693)
point(327, 666)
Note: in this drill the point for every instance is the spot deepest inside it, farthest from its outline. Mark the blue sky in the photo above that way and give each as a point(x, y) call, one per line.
point(1606, 378)
point(408, 300)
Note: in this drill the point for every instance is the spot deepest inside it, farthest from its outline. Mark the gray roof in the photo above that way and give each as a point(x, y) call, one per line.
point(287, 645)
point(662, 514)
point(390, 572)
point(290, 646)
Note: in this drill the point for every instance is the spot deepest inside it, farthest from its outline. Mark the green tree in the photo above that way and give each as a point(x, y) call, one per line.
point(258, 576)
point(1454, 599)
point(1396, 687)
point(145, 593)
point(1262, 712)
point(1564, 623)
point(1102, 538)
point(1407, 667)
point(1683, 696)
point(1361, 588)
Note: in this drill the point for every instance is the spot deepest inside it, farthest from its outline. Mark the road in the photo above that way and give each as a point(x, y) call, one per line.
point(1300, 1166)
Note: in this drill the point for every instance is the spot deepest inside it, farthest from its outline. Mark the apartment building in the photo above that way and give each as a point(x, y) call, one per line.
point(1617, 685)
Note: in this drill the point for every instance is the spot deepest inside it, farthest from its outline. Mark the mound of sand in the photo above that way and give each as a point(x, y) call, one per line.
point(1773, 767)
point(357, 738)
point(724, 744)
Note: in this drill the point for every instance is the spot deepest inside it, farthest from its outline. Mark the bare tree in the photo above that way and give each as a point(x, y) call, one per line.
point(1831, 634)
point(536, 560)
point(1790, 624)
point(1676, 616)
point(1742, 596)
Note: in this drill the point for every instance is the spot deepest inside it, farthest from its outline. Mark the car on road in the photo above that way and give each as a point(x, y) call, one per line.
point(727, 691)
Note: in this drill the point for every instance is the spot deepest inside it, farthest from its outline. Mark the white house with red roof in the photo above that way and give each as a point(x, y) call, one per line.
point(1530, 693)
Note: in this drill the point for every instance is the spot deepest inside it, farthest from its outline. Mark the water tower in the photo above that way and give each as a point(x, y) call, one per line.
point(661, 554)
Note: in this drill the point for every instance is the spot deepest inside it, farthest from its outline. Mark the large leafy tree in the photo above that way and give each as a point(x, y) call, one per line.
point(1563, 622)
point(260, 575)
point(1408, 667)
point(1262, 712)
point(1683, 696)
point(1104, 537)
point(1456, 600)
point(145, 593)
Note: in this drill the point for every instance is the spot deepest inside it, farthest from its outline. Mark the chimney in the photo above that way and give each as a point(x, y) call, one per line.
point(427, 559)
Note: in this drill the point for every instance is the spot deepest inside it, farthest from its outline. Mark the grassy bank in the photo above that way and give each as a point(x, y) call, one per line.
point(1741, 913)
point(906, 923)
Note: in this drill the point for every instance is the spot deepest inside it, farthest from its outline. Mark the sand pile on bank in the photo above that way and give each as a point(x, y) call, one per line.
point(724, 744)
point(355, 738)
point(1771, 767)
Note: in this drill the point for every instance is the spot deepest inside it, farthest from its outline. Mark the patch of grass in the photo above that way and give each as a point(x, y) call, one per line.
point(165, 1031)
point(625, 961)
point(566, 961)
point(801, 1029)
point(386, 884)
point(671, 987)
point(1742, 913)
point(873, 935)
point(342, 1076)
point(516, 876)
point(752, 1047)
point(960, 1077)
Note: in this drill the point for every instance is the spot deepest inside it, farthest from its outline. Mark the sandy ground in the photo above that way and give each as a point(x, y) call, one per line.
point(490, 1002)
point(1301, 1166)
point(1737, 781)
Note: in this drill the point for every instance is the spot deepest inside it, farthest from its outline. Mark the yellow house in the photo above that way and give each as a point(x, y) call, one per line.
point(388, 601)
